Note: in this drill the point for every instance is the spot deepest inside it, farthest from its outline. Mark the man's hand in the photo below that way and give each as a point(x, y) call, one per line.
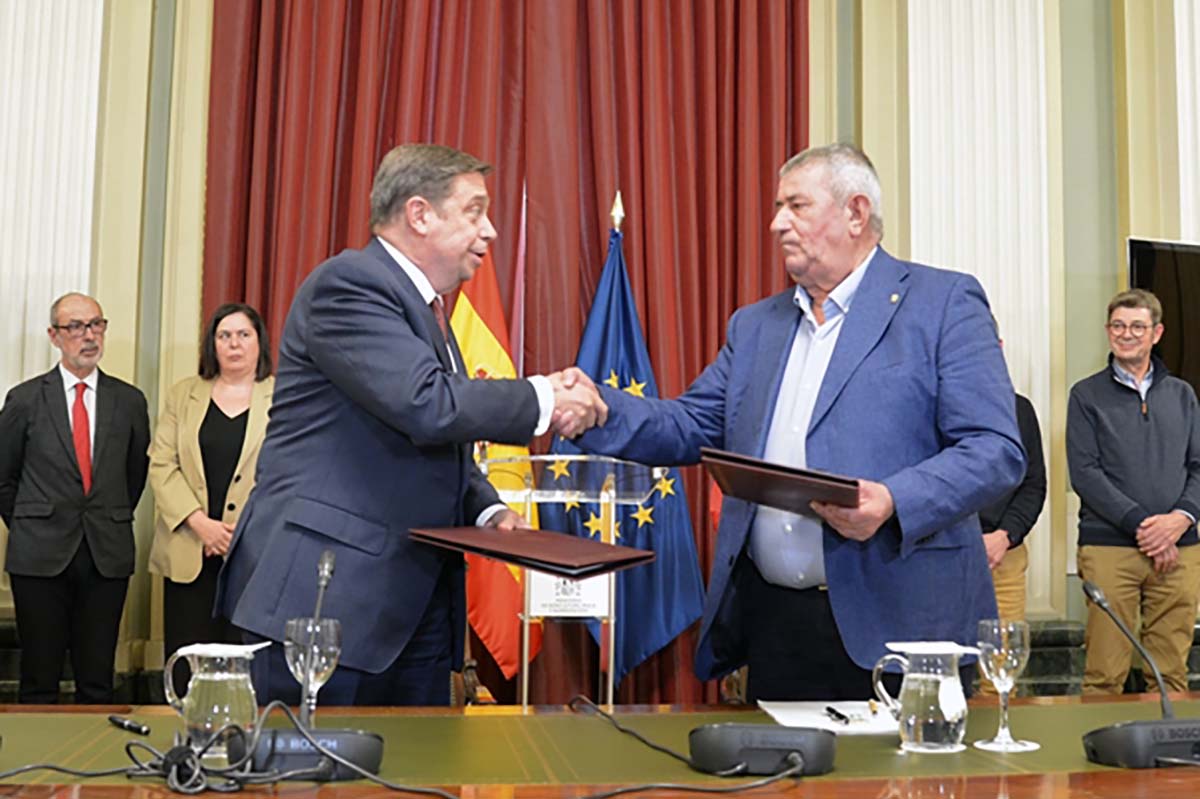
point(1159, 532)
point(577, 403)
point(996, 544)
point(1167, 560)
point(216, 536)
point(507, 519)
point(875, 506)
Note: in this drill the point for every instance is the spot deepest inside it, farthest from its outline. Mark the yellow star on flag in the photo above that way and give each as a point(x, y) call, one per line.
point(635, 388)
point(612, 379)
point(560, 469)
point(665, 486)
point(595, 526)
point(644, 515)
point(570, 505)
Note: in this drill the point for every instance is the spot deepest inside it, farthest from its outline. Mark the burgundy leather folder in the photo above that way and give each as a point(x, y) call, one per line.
point(775, 485)
point(541, 550)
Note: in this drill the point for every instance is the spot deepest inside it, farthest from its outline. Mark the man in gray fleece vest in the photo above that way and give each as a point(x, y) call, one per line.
point(1133, 448)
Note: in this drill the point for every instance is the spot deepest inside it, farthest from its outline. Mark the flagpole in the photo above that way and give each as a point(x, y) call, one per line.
point(618, 212)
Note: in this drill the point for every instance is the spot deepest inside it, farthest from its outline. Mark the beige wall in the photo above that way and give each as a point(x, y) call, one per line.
point(149, 230)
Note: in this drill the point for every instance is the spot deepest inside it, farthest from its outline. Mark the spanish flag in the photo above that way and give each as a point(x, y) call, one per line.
point(495, 594)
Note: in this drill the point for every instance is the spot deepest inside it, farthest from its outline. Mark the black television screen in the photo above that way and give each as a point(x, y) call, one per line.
point(1171, 269)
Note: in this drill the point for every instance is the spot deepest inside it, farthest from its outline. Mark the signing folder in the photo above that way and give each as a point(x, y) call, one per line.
point(775, 485)
point(541, 550)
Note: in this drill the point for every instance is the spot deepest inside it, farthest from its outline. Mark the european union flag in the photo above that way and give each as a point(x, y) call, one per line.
point(655, 602)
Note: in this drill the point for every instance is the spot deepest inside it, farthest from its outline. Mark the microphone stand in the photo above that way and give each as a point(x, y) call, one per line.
point(1142, 744)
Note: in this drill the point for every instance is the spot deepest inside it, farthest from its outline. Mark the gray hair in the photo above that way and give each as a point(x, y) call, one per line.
point(850, 173)
point(1137, 298)
point(417, 170)
point(60, 300)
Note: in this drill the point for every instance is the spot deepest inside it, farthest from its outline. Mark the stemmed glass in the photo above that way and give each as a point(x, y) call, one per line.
point(312, 652)
point(1003, 653)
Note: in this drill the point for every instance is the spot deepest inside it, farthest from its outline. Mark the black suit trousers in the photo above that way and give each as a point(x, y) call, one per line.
point(77, 610)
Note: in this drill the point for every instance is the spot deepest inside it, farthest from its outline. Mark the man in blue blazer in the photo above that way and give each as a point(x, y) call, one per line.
point(871, 367)
point(370, 434)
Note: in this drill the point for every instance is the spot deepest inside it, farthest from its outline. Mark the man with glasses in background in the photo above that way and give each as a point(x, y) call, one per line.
point(1133, 448)
point(72, 466)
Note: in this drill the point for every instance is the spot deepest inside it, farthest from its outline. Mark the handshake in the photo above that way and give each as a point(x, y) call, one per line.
point(577, 403)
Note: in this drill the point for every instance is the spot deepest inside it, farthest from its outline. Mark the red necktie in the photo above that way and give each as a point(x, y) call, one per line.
point(82, 436)
point(439, 312)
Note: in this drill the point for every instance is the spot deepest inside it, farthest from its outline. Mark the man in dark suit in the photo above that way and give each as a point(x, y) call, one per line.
point(872, 367)
point(371, 434)
point(72, 466)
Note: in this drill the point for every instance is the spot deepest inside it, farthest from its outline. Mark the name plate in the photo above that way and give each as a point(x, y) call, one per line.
point(564, 597)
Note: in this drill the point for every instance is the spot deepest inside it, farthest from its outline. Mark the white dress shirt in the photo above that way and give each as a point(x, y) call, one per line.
point(787, 547)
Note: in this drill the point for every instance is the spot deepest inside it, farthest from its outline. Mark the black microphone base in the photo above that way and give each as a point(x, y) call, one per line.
point(763, 748)
point(288, 750)
point(1140, 744)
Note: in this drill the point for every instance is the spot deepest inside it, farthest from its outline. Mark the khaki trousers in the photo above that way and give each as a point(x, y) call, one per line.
point(1009, 581)
point(1166, 602)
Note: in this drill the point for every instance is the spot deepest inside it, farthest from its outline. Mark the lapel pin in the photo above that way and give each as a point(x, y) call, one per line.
point(895, 298)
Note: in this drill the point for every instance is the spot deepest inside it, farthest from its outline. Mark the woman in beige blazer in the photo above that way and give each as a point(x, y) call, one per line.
point(202, 464)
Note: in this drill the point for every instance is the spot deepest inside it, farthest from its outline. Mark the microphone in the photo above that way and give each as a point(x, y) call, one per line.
point(288, 751)
point(1141, 744)
point(324, 576)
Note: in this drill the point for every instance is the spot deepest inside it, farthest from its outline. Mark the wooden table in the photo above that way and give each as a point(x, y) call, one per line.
point(499, 753)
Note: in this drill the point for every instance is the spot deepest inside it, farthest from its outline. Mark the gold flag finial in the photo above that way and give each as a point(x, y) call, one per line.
point(618, 211)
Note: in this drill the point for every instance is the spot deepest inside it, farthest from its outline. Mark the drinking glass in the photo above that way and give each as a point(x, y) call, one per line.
point(1003, 653)
point(312, 651)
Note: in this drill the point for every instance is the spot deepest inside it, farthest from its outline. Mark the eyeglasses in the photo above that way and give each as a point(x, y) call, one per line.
point(75, 328)
point(1136, 329)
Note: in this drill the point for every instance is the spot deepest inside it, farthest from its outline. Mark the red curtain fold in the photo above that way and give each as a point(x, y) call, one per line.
point(687, 108)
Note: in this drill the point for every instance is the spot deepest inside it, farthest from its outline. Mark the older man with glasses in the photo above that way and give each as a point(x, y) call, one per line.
point(72, 466)
point(1133, 447)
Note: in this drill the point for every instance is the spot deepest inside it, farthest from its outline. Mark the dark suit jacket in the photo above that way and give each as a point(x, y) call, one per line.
point(370, 434)
point(41, 491)
point(916, 396)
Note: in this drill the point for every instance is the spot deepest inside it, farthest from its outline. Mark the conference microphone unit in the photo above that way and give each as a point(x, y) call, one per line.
point(1142, 744)
point(760, 748)
point(291, 751)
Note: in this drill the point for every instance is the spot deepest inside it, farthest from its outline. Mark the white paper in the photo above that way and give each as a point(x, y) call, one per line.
point(812, 714)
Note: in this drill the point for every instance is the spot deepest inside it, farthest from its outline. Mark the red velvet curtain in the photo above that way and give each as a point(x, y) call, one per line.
point(687, 107)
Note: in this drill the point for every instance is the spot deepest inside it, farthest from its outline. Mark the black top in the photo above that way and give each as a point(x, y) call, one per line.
point(220, 447)
point(1018, 510)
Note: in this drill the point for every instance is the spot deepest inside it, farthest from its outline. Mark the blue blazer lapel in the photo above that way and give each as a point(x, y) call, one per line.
point(875, 303)
point(772, 347)
point(432, 331)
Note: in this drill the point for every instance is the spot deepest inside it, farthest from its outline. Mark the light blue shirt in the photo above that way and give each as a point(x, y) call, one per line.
point(787, 547)
point(1127, 379)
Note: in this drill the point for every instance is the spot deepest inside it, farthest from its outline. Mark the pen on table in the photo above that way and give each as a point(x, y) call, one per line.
point(836, 715)
point(129, 725)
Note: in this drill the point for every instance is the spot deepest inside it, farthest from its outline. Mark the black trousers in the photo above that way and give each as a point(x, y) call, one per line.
point(188, 617)
point(78, 610)
point(794, 647)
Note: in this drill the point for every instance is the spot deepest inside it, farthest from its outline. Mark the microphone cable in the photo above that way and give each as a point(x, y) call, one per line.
point(581, 704)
